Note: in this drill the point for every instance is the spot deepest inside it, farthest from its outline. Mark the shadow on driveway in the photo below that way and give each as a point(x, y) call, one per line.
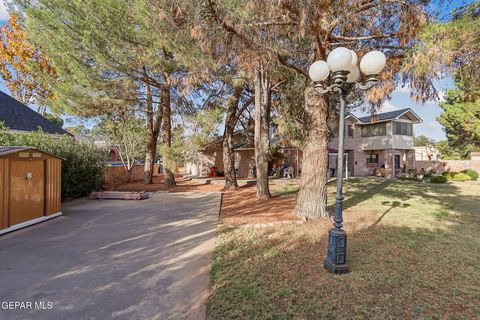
point(117, 259)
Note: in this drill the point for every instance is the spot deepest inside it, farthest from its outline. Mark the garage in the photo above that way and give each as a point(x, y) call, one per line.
point(30, 187)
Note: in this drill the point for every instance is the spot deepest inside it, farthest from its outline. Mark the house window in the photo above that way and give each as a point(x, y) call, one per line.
point(403, 128)
point(350, 130)
point(372, 158)
point(373, 130)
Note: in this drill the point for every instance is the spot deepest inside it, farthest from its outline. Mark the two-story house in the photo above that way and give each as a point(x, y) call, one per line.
point(380, 144)
point(375, 145)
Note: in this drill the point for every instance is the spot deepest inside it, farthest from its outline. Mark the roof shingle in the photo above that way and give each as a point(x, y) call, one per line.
point(18, 116)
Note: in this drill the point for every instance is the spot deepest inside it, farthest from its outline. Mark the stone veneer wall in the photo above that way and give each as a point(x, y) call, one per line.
point(118, 174)
point(448, 165)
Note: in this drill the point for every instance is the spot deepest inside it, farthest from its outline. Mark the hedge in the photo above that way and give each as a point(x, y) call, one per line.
point(82, 169)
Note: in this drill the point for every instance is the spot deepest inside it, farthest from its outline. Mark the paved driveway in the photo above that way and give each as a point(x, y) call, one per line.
point(113, 259)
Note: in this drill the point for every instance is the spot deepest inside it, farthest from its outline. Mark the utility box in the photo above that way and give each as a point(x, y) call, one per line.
point(30, 187)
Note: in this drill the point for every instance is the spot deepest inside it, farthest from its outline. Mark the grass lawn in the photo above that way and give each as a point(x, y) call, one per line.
point(413, 250)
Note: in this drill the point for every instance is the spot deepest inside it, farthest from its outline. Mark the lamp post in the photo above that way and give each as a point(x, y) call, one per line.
point(339, 74)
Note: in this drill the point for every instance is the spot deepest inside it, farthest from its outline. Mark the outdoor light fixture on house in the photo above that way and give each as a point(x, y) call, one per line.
point(340, 74)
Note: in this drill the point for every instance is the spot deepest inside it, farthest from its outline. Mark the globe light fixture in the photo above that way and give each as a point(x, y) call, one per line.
point(353, 75)
point(340, 74)
point(340, 59)
point(373, 62)
point(319, 71)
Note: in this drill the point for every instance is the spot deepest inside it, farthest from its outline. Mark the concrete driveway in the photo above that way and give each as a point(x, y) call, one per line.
point(113, 259)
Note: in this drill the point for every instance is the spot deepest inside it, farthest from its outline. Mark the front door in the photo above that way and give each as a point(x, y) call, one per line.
point(27, 190)
point(397, 161)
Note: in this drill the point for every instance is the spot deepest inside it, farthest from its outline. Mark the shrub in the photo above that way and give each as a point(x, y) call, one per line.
point(471, 173)
point(460, 177)
point(82, 167)
point(448, 175)
point(438, 179)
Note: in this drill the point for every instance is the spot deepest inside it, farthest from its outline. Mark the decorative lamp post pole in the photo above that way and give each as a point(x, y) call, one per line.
point(340, 75)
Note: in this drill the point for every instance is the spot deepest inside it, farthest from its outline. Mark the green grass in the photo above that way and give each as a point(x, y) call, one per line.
point(414, 253)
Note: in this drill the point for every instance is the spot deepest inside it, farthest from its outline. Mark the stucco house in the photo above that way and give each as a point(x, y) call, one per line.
point(381, 144)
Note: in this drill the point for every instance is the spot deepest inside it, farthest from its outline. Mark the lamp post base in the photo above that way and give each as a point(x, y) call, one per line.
point(336, 261)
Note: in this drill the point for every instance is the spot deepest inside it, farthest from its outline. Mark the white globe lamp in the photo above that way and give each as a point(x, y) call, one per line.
point(319, 71)
point(340, 59)
point(354, 59)
point(353, 75)
point(373, 62)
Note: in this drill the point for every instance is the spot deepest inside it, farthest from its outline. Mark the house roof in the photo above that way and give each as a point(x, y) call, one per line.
point(14, 149)
point(18, 116)
point(379, 117)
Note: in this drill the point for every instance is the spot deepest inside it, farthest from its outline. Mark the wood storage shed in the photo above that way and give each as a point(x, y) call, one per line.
point(30, 187)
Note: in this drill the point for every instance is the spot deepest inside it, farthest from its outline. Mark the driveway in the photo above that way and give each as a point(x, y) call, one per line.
point(113, 259)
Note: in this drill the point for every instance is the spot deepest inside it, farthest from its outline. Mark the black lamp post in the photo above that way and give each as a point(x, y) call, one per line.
point(342, 68)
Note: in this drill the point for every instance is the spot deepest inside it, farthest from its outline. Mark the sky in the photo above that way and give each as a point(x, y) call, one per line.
point(400, 98)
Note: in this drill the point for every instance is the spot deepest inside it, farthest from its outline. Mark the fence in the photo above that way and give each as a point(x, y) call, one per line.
point(440, 166)
point(119, 175)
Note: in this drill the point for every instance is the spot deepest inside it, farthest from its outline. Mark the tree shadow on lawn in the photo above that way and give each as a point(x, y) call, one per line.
point(397, 272)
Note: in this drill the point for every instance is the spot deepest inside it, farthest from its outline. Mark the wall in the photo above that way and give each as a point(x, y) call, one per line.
point(448, 165)
point(118, 174)
point(244, 162)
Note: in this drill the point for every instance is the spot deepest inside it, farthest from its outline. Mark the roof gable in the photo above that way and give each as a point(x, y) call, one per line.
point(18, 116)
point(392, 115)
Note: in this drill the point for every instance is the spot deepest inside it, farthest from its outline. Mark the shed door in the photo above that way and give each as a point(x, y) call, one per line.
point(27, 190)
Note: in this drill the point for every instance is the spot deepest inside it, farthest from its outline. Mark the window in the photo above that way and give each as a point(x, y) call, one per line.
point(403, 128)
point(350, 130)
point(373, 130)
point(372, 158)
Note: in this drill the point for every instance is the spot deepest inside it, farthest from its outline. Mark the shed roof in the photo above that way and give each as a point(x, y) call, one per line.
point(13, 149)
point(18, 116)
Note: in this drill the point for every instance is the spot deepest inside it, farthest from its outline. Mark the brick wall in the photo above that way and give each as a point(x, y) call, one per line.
point(244, 162)
point(119, 175)
point(448, 165)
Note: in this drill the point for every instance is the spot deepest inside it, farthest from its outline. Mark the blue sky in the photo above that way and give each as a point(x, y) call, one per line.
point(400, 98)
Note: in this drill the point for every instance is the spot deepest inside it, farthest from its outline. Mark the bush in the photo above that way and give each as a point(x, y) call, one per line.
point(438, 179)
point(460, 177)
point(82, 167)
point(471, 173)
point(448, 175)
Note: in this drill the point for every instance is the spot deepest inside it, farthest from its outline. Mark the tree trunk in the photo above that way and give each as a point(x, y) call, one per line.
point(149, 157)
point(154, 120)
point(312, 198)
point(228, 148)
point(167, 136)
point(262, 141)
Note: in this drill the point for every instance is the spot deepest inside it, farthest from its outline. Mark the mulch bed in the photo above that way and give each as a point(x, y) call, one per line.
point(239, 207)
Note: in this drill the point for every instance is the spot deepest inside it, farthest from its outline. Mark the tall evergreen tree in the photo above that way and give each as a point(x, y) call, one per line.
point(300, 32)
point(111, 54)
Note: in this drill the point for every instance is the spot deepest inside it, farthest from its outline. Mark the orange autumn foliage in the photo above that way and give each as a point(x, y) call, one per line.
point(21, 65)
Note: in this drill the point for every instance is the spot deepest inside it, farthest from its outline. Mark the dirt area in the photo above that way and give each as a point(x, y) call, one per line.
point(239, 207)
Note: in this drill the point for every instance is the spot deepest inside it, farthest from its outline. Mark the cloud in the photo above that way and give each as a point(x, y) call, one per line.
point(405, 89)
point(3, 12)
point(441, 98)
point(388, 106)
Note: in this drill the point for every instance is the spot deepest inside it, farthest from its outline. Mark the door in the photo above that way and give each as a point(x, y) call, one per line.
point(27, 190)
point(397, 161)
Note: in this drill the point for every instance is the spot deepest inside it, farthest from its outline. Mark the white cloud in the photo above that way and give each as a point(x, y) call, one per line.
point(388, 106)
point(405, 89)
point(3, 12)
point(441, 98)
